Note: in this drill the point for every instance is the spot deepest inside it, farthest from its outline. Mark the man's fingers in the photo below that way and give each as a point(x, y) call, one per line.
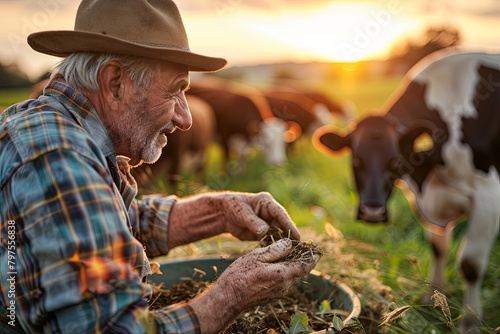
point(275, 251)
point(273, 211)
point(255, 224)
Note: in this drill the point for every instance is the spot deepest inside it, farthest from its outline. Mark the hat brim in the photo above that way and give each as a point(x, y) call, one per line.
point(62, 43)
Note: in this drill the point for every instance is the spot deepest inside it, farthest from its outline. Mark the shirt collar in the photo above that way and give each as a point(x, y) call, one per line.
point(83, 111)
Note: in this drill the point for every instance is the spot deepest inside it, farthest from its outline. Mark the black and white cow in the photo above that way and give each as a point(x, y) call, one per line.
point(455, 99)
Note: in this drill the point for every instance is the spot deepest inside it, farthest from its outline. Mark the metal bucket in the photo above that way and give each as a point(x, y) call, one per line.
point(317, 285)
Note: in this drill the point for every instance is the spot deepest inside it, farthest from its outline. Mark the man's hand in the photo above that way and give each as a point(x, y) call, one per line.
point(251, 280)
point(246, 216)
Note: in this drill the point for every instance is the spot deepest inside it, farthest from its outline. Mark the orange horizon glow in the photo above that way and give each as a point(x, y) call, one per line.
point(250, 34)
point(339, 32)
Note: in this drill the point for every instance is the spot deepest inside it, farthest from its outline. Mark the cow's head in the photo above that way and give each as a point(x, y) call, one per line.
point(378, 148)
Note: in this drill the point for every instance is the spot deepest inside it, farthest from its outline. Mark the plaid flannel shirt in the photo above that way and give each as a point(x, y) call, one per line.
point(73, 213)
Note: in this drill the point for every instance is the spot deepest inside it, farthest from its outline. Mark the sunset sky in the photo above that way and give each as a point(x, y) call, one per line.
point(265, 31)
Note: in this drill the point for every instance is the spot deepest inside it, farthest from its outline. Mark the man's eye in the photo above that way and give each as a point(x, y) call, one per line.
point(170, 96)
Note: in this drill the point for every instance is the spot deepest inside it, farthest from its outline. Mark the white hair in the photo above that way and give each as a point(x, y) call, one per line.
point(81, 69)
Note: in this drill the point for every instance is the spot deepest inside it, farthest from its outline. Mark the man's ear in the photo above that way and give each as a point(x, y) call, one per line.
point(327, 137)
point(112, 79)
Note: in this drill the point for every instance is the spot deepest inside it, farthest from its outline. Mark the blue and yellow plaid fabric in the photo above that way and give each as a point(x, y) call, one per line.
point(76, 260)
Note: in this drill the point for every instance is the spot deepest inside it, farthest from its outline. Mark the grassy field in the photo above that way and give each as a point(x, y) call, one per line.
point(387, 264)
point(10, 96)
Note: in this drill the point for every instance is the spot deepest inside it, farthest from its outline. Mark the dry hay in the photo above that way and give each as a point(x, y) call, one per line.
point(302, 251)
point(176, 293)
point(259, 319)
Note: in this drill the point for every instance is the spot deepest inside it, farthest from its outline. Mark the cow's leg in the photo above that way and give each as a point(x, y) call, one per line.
point(482, 231)
point(439, 239)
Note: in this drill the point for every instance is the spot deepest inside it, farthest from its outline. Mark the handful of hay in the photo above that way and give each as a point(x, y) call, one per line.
point(302, 251)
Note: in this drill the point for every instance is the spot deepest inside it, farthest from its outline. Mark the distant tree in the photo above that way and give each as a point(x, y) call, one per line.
point(409, 52)
point(284, 73)
point(437, 38)
point(12, 77)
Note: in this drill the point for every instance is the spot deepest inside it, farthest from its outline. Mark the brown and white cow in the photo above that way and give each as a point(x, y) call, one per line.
point(291, 110)
point(450, 96)
point(243, 116)
point(309, 110)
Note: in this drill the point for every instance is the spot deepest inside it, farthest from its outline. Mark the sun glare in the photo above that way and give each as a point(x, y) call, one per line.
point(343, 32)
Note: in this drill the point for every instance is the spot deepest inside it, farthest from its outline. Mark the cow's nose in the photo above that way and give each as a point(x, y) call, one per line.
point(372, 213)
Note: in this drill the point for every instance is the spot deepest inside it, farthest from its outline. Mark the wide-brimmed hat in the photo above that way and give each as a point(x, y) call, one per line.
point(145, 28)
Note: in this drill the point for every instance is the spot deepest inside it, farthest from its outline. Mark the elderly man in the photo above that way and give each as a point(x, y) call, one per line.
point(75, 242)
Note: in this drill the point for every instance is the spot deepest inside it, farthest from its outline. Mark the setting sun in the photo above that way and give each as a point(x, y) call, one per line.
point(273, 31)
point(344, 32)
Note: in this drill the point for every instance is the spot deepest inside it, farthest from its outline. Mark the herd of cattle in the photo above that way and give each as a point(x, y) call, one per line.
point(238, 116)
point(454, 98)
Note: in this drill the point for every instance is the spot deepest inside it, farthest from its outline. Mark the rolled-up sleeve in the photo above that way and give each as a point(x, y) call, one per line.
point(149, 217)
point(178, 318)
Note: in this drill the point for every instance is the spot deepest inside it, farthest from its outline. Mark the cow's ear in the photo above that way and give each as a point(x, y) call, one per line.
point(327, 137)
point(334, 141)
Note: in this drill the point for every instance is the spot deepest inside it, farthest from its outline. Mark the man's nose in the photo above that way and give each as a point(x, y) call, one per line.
point(182, 116)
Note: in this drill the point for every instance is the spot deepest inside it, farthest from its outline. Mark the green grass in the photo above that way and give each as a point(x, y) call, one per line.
point(367, 95)
point(318, 190)
point(9, 97)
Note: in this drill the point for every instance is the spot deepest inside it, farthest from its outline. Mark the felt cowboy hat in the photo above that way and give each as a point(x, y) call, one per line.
point(145, 28)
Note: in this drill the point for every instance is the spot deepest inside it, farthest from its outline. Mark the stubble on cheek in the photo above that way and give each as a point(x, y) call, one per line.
point(139, 132)
point(152, 148)
point(151, 139)
point(128, 131)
